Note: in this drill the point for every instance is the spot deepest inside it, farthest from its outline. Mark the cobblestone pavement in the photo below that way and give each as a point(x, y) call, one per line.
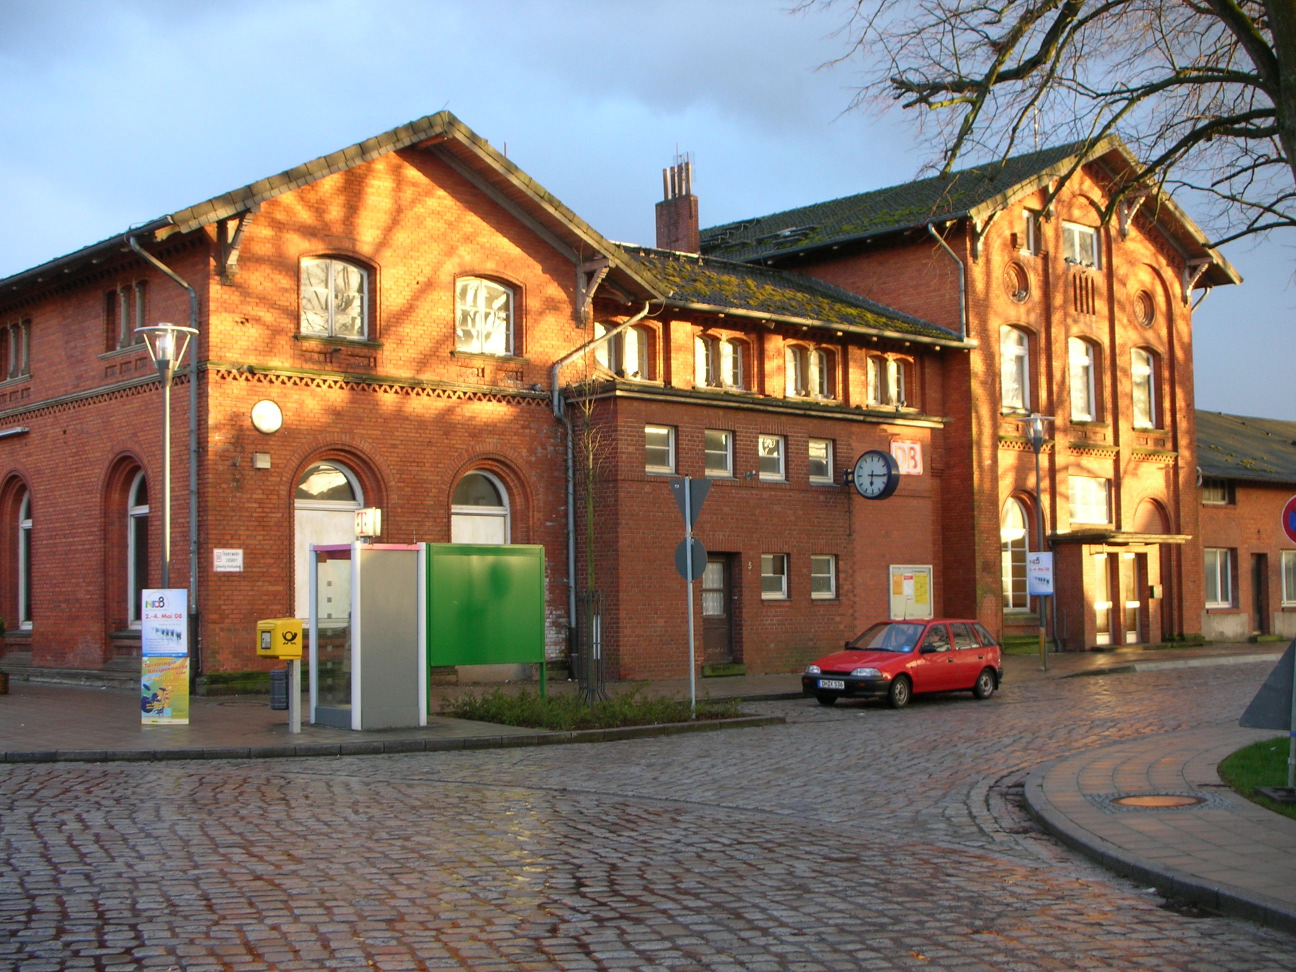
point(852, 838)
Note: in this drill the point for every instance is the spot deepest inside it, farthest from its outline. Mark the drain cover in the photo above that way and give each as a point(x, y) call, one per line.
point(1153, 801)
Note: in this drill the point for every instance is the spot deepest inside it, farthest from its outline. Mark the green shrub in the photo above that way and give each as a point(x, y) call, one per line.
point(568, 711)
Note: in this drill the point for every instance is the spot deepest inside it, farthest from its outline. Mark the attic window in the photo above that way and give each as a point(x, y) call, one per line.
point(1216, 492)
point(1080, 245)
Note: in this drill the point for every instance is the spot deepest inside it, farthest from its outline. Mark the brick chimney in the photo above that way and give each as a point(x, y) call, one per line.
point(677, 214)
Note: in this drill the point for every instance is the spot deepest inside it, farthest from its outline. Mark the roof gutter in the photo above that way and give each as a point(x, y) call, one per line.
point(194, 630)
point(962, 274)
point(560, 413)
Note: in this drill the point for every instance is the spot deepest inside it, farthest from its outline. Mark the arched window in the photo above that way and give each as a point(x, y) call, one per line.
point(327, 496)
point(24, 563)
point(334, 298)
point(627, 353)
point(1143, 379)
point(823, 373)
point(1083, 360)
point(479, 510)
point(717, 363)
point(1012, 544)
point(886, 381)
point(796, 371)
point(1014, 368)
point(137, 547)
point(483, 316)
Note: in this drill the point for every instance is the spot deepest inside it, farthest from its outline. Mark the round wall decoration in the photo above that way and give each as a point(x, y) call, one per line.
point(266, 416)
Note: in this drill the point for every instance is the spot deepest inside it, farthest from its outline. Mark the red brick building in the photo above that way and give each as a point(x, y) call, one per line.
point(1248, 483)
point(414, 324)
point(1087, 323)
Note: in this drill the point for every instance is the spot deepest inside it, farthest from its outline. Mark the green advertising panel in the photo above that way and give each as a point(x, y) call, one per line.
point(485, 604)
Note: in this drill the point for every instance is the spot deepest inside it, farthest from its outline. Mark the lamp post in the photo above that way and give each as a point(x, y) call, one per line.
point(1034, 428)
point(167, 344)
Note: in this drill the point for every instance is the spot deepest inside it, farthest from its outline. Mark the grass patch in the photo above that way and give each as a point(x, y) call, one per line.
point(1260, 764)
point(569, 711)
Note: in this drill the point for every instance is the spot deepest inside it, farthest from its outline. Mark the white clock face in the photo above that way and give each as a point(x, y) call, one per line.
point(874, 475)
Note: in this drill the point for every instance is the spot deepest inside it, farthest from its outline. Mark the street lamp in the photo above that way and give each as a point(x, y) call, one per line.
point(1034, 428)
point(167, 344)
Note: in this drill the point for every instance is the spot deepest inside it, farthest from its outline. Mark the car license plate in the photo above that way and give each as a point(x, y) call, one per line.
point(832, 683)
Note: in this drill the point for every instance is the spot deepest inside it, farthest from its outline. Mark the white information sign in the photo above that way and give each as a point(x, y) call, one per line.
point(227, 561)
point(908, 456)
point(1039, 574)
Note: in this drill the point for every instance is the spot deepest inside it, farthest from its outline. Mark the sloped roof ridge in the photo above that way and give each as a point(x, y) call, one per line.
point(1246, 447)
point(800, 280)
point(1056, 153)
point(794, 282)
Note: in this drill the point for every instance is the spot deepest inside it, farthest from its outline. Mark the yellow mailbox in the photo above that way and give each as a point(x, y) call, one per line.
point(279, 638)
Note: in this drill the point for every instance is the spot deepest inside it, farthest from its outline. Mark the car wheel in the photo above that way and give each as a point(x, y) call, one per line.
point(898, 694)
point(985, 684)
point(825, 699)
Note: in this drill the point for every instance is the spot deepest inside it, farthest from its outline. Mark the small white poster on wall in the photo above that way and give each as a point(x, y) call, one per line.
point(227, 561)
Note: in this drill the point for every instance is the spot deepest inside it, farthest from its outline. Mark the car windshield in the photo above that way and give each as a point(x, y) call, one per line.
point(894, 636)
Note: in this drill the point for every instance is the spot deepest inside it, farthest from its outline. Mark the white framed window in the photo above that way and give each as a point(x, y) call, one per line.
point(717, 362)
point(1219, 577)
point(774, 577)
point(1014, 368)
point(24, 563)
point(483, 317)
point(137, 547)
point(1289, 578)
point(1083, 368)
point(1143, 388)
point(823, 373)
point(1013, 544)
point(625, 354)
point(1217, 492)
point(771, 453)
point(1090, 499)
point(796, 371)
point(885, 378)
point(1080, 245)
point(334, 298)
point(479, 510)
point(718, 446)
point(823, 577)
point(821, 461)
point(1030, 239)
point(659, 449)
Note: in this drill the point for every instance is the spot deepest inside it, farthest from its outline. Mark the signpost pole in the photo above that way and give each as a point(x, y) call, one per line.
point(1291, 735)
point(688, 548)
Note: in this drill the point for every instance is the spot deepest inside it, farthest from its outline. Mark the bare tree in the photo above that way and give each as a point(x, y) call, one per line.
point(1203, 91)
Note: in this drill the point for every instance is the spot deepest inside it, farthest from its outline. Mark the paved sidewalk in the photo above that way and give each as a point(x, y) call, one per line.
point(1223, 852)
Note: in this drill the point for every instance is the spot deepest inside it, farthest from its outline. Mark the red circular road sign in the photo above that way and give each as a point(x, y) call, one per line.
point(1289, 519)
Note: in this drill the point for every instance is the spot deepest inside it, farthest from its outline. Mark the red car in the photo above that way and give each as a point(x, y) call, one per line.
point(898, 659)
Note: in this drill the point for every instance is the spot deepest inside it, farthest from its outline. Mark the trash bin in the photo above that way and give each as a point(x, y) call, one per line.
point(279, 688)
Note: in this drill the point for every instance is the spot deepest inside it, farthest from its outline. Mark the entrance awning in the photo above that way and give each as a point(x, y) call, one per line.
point(1118, 538)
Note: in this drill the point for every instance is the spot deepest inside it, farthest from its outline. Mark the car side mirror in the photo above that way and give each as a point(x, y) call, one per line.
point(927, 650)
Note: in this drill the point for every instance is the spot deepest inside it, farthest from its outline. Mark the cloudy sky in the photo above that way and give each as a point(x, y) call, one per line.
point(113, 112)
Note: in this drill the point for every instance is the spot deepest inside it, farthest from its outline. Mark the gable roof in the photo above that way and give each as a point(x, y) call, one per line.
point(442, 134)
point(1241, 447)
point(974, 193)
point(711, 285)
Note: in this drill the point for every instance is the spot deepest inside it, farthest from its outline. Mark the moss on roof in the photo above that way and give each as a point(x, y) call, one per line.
point(729, 286)
point(906, 206)
point(1241, 447)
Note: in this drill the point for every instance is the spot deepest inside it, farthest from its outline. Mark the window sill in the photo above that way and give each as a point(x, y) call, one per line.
point(321, 340)
point(140, 348)
point(488, 356)
point(775, 598)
